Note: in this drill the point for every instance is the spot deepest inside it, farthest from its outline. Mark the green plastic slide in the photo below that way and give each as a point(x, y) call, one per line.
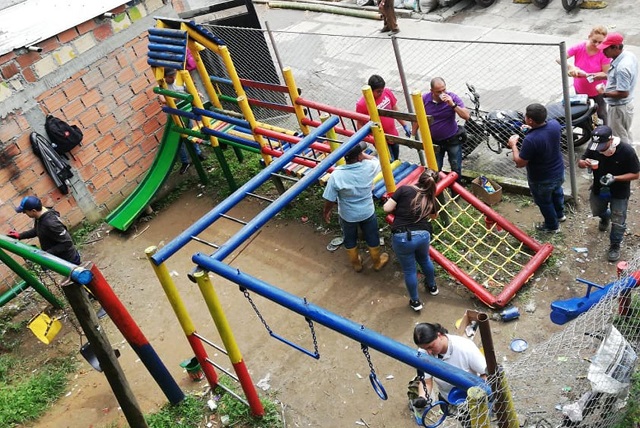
point(123, 216)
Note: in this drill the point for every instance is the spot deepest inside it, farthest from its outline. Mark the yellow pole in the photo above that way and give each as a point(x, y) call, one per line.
point(425, 132)
point(170, 289)
point(293, 94)
point(191, 88)
point(332, 136)
point(231, 71)
point(217, 314)
point(380, 141)
point(478, 408)
point(245, 108)
point(194, 47)
point(504, 406)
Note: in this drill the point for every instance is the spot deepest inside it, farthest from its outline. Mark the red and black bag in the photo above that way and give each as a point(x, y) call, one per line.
point(63, 136)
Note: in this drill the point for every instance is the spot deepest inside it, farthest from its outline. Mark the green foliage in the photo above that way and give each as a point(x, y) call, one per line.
point(82, 233)
point(9, 330)
point(189, 414)
point(631, 416)
point(240, 415)
point(25, 396)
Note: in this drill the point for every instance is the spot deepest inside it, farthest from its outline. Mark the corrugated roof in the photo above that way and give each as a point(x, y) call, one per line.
point(26, 22)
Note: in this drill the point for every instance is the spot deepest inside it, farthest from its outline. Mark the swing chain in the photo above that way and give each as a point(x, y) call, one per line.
point(313, 335)
point(255, 308)
point(365, 351)
point(424, 385)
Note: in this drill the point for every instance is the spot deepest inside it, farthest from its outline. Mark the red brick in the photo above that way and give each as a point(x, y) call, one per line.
point(121, 132)
point(109, 86)
point(118, 182)
point(27, 59)
point(68, 35)
point(103, 195)
point(149, 145)
point(119, 149)
point(106, 105)
point(88, 170)
point(102, 178)
point(133, 156)
point(122, 112)
point(73, 88)
point(153, 109)
point(117, 168)
point(123, 95)
point(140, 84)
point(86, 26)
point(136, 136)
point(89, 117)
point(91, 98)
point(22, 122)
point(29, 75)
point(103, 32)
point(89, 135)
point(124, 58)
point(86, 155)
point(104, 144)
point(141, 47)
point(9, 128)
point(92, 78)
point(25, 179)
point(49, 45)
point(106, 124)
point(125, 75)
point(11, 150)
point(7, 57)
point(78, 74)
point(72, 110)
point(139, 102)
point(109, 68)
point(54, 102)
point(141, 65)
point(9, 70)
point(137, 120)
point(151, 126)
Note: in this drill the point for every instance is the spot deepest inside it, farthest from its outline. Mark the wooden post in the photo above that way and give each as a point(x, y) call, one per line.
point(79, 302)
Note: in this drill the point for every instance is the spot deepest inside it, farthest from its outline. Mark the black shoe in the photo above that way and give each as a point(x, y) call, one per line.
point(614, 252)
point(184, 168)
point(202, 156)
point(420, 403)
point(432, 290)
point(541, 227)
point(603, 225)
point(385, 30)
point(416, 305)
point(396, 31)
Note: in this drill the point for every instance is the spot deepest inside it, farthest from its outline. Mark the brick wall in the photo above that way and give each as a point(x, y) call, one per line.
point(109, 97)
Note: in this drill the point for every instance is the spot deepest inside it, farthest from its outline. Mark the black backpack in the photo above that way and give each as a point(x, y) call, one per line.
point(63, 136)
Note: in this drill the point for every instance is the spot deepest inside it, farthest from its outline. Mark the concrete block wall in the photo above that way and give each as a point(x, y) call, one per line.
point(93, 75)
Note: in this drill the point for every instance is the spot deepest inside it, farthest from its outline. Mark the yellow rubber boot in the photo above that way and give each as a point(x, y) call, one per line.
point(379, 259)
point(355, 258)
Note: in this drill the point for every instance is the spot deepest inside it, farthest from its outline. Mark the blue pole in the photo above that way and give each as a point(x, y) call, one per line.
point(357, 332)
point(208, 219)
point(276, 206)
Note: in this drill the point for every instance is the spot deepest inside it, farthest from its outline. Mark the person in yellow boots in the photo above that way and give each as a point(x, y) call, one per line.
point(350, 187)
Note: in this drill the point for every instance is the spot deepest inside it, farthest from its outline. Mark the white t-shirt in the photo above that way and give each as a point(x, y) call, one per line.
point(465, 355)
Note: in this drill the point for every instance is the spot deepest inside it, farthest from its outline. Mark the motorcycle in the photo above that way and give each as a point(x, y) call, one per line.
point(495, 127)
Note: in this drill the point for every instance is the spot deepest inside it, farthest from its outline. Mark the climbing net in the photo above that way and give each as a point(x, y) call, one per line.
point(481, 249)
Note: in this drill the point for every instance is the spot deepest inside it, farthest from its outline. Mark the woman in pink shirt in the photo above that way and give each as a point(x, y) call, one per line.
point(590, 68)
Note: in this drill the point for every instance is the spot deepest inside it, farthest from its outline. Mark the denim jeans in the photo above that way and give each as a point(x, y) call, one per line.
point(184, 155)
point(369, 229)
point(394, 150)
point(410, 252)
point(549, 197)
point(611, 209)
point(454, 153)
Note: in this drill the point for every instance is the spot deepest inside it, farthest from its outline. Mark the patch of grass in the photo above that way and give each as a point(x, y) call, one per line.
point(26, 396)
point(10, 331)
point(188, 413)
point(240, 415)
point(631, 416)
point(83, 232)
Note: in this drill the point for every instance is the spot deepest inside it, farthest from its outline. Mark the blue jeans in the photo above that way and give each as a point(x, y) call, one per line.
point(394, 149)
point(369, 229)
point(410, 252)
point(611, 209)
point(454, 153)
point(184, 155)
point(549, 197)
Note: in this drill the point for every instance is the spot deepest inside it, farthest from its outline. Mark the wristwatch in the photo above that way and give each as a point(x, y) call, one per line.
point(454, 106)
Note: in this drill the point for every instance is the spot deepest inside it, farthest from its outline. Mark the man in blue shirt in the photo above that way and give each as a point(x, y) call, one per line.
point(350, 188)
point(542, 157)
point(621, 82)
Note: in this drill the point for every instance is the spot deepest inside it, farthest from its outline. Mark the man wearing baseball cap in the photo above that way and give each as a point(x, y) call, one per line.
point(614, 164)
point(53, 235)
point(621, 82)
point(350, 186)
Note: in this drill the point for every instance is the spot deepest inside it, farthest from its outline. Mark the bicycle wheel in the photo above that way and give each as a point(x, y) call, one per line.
point(581, 135)
point(541, 3)
point(569, 5)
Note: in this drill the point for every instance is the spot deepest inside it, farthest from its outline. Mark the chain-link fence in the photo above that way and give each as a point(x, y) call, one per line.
point(496, 81)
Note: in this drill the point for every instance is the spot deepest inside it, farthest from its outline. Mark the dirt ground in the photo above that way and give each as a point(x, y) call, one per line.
point(335, 390)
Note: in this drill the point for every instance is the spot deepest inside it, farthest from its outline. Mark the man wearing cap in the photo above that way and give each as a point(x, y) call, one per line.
point(614, 164)
point(53, 235)
point(541, 155)
point(621, 82)
point(350, 186)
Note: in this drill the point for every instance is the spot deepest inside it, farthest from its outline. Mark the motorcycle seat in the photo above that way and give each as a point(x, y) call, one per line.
point(556, 110)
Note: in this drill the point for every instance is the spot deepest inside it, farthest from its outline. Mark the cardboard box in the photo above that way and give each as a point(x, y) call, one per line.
point(481, 193)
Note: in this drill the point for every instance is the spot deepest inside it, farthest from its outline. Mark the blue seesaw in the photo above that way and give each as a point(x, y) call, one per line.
point(563, 311)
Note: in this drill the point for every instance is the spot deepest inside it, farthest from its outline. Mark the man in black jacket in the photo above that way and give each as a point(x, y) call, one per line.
point(53, 235)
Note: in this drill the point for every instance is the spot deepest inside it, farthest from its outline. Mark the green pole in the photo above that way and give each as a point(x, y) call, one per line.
point(29, 279)
point(225, 168)
point(44, 259)
point(12, 292)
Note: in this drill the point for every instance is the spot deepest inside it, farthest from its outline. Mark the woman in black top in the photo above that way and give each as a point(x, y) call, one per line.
point(414, 206)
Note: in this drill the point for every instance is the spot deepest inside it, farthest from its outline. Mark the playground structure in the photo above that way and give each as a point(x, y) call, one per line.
point(325, 139)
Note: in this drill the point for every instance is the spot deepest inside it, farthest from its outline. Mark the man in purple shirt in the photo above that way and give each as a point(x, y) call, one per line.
point(444, 108)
